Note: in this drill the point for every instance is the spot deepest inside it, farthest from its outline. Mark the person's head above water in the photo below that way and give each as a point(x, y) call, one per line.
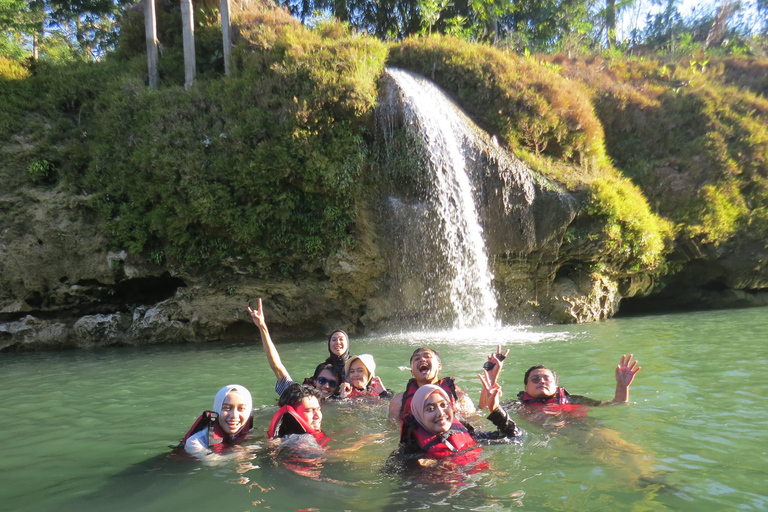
point(359, 370)
point(234, 406)
point(431, 408)
point(338, 344)
point(425, 366)
point(540, 382)
point(305, 400)
point(326, 380)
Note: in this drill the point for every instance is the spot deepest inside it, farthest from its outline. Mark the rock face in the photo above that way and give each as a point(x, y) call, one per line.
point(61, 287)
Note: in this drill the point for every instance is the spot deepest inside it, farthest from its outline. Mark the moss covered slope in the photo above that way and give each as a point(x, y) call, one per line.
point(550, 122)
point(257, 171)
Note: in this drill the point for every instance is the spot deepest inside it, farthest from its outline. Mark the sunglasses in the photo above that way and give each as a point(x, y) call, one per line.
point(331, 383)
point(539, 378)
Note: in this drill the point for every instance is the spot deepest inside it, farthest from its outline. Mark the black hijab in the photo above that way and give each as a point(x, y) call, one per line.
point(338, 362)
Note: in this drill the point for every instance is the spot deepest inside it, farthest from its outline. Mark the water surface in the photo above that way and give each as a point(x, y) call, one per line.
point(91, 430)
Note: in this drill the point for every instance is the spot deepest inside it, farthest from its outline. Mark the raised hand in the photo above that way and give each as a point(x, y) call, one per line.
point(498, 364)
point(345, 389)
point(257, 315)
point(626, 370)
point(625, 374)
point(377, 386)
point(490, 396)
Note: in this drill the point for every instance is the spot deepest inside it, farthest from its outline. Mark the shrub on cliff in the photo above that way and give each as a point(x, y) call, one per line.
point(695, 143)
point(257, 171)
point(550, 123)
point(262, 165)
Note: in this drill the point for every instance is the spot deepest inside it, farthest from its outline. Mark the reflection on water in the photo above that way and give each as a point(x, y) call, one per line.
point(98, 433)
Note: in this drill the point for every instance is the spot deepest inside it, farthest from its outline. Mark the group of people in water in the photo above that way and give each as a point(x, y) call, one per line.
point(431, 411)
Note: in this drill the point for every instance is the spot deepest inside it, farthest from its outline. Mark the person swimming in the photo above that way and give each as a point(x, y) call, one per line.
point(433, 430)
point(542, 393)
point(361, 379)
point(425, 369)
point(226, 424)
point(299, 414)
point(325, 379)
point(338, 350)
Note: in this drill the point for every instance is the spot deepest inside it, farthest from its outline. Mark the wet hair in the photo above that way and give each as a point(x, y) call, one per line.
point(425, 349)
point(295, 393)
point(539, 367)
point(327, 366)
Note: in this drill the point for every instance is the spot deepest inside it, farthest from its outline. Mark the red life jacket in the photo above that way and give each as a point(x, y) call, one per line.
point(457, 446)
point(217, 438)
point(358, 393)
point(439, 447)
point(277, 419)
point(410, 389)
point(557, 403)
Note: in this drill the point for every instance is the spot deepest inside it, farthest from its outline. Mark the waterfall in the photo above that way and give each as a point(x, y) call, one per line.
point(459, 276)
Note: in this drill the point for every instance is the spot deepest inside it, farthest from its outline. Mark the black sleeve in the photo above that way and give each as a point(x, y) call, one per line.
point(506, 428)
point(583, 400)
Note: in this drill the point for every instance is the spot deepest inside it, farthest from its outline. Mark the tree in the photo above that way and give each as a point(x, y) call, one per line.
point(188, 26)
point(84, 28)
point(226, 35)
point(610, 22)
point(150, 30)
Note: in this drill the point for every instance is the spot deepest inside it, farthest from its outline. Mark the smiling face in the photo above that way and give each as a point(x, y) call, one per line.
point(438, 413)
point(327, 383)
point(541, 383)
point(425, 367)
point(338, 343)
point(309, 409)
point(234, 413)
point(358, 375)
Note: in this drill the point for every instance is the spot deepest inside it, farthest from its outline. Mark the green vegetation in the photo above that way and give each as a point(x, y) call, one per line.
point(260, 171)
point(549, 121)
point(257, 171)
point(694, 142)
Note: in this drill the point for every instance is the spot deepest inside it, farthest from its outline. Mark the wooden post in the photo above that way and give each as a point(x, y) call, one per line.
point(188, 24)
point(226, 35)
point(150, 31)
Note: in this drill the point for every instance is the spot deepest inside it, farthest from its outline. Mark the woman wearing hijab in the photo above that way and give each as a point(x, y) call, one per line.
point(361, 379)
point(228, 423)
point(338, 349)
point(433, 431)
point(326, 378)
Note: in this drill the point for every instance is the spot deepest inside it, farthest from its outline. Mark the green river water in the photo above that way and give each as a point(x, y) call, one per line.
point(90, 430)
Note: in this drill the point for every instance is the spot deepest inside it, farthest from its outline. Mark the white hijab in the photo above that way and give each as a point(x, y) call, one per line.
point(368, 362)
point(245, 396)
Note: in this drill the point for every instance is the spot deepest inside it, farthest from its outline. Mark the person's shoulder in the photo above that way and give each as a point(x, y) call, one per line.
point(394, 407)
point(197, 442)
point(585, 400)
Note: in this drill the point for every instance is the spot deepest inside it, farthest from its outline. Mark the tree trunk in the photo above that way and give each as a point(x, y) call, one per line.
point(610, 22)
point(35, 47)
point(225, 34)
point(188, 24)
point(150, 30)
point(718, 28)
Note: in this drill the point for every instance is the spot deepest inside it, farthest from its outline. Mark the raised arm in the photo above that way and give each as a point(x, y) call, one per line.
point(495, 363)
point(394, 408)
point(464, 404)
point(625, 374)
point(491, 395)
point(266, 341)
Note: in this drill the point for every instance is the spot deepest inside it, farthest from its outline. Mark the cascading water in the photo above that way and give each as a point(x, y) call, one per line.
point(462, 268)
